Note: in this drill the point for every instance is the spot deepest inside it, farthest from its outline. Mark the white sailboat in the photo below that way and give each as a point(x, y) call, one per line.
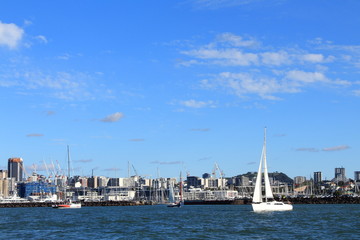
point(266, 202)
point(172, 201)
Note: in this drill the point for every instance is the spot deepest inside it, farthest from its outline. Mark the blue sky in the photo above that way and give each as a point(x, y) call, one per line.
point(174, 86)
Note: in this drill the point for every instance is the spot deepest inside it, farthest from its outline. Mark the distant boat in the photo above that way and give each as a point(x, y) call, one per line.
point(67, 205)
point(267, 202)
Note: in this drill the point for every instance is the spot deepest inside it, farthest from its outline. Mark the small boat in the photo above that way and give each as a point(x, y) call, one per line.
point(67, 205)
point(267, 202)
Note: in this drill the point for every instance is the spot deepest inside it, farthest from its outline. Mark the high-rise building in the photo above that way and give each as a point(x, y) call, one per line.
point(340, 174)
point(15, 168)
point(357, 175)
point(317, 177)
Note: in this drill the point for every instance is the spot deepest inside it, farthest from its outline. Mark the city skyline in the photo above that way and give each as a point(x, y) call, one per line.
point(173, 87)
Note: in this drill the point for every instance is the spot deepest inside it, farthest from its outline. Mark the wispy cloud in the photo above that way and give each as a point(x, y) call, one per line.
point(49, 113)
point(42, 38)
point(114, 169)
point(200, 129)
point(197, 104)
point(336, 148)
point(265, 71)
point(307, 149)
point(167, 163)
point(35, 135)
point(62, 85)
point(356, 92)
point(10, 35)
point(115, 117)
point(137, 140)
point(83, 160)
point(216, 4)
point(204, 159)
point(280, 135)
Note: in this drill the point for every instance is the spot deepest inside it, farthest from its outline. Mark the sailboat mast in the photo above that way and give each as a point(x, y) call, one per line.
point(268, 191)
point(68, 152)
point(265, 165)
point(181, 186)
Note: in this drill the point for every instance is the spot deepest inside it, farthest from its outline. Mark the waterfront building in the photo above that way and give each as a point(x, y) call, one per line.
point(4, 184)
point(242, 181)
point(92, 182)
point(35, 189)
point(15, 168)
point(83, 181)
point(114, 182)
point(317, 177)
point(130, 182)
point(299, 180)
point(102, 181)
point(357, 175)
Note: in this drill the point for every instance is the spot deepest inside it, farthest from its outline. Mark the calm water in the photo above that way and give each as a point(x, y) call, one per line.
point(188, 222)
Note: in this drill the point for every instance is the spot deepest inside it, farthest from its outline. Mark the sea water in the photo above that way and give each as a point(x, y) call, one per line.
point(187, 222)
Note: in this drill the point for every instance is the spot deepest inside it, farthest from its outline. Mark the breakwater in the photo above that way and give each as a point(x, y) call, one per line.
point(323, 200)
point(83, 204)
point(296, 200)
point(217, 202)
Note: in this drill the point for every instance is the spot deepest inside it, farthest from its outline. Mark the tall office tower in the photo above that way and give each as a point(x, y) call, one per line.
point(357, 175)
point(317, 177)
point(340, 174)
point(15, 168)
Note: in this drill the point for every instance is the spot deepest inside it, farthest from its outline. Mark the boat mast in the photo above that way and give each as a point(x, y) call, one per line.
point(181, 186)
point(68, 152)
point(268, 191)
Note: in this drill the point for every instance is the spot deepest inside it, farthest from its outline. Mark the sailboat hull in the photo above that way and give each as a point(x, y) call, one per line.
point(174, 204)
point(271, 206)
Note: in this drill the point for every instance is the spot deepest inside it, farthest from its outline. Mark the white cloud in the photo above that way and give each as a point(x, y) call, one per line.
point(227, 57)
point(313, 58)
point(306, 77)
point(275, 58)
point(10, 35)
point(197, 104)
point(229, 49)
point(113, 117)
point(242, 84)
point(235, 40)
